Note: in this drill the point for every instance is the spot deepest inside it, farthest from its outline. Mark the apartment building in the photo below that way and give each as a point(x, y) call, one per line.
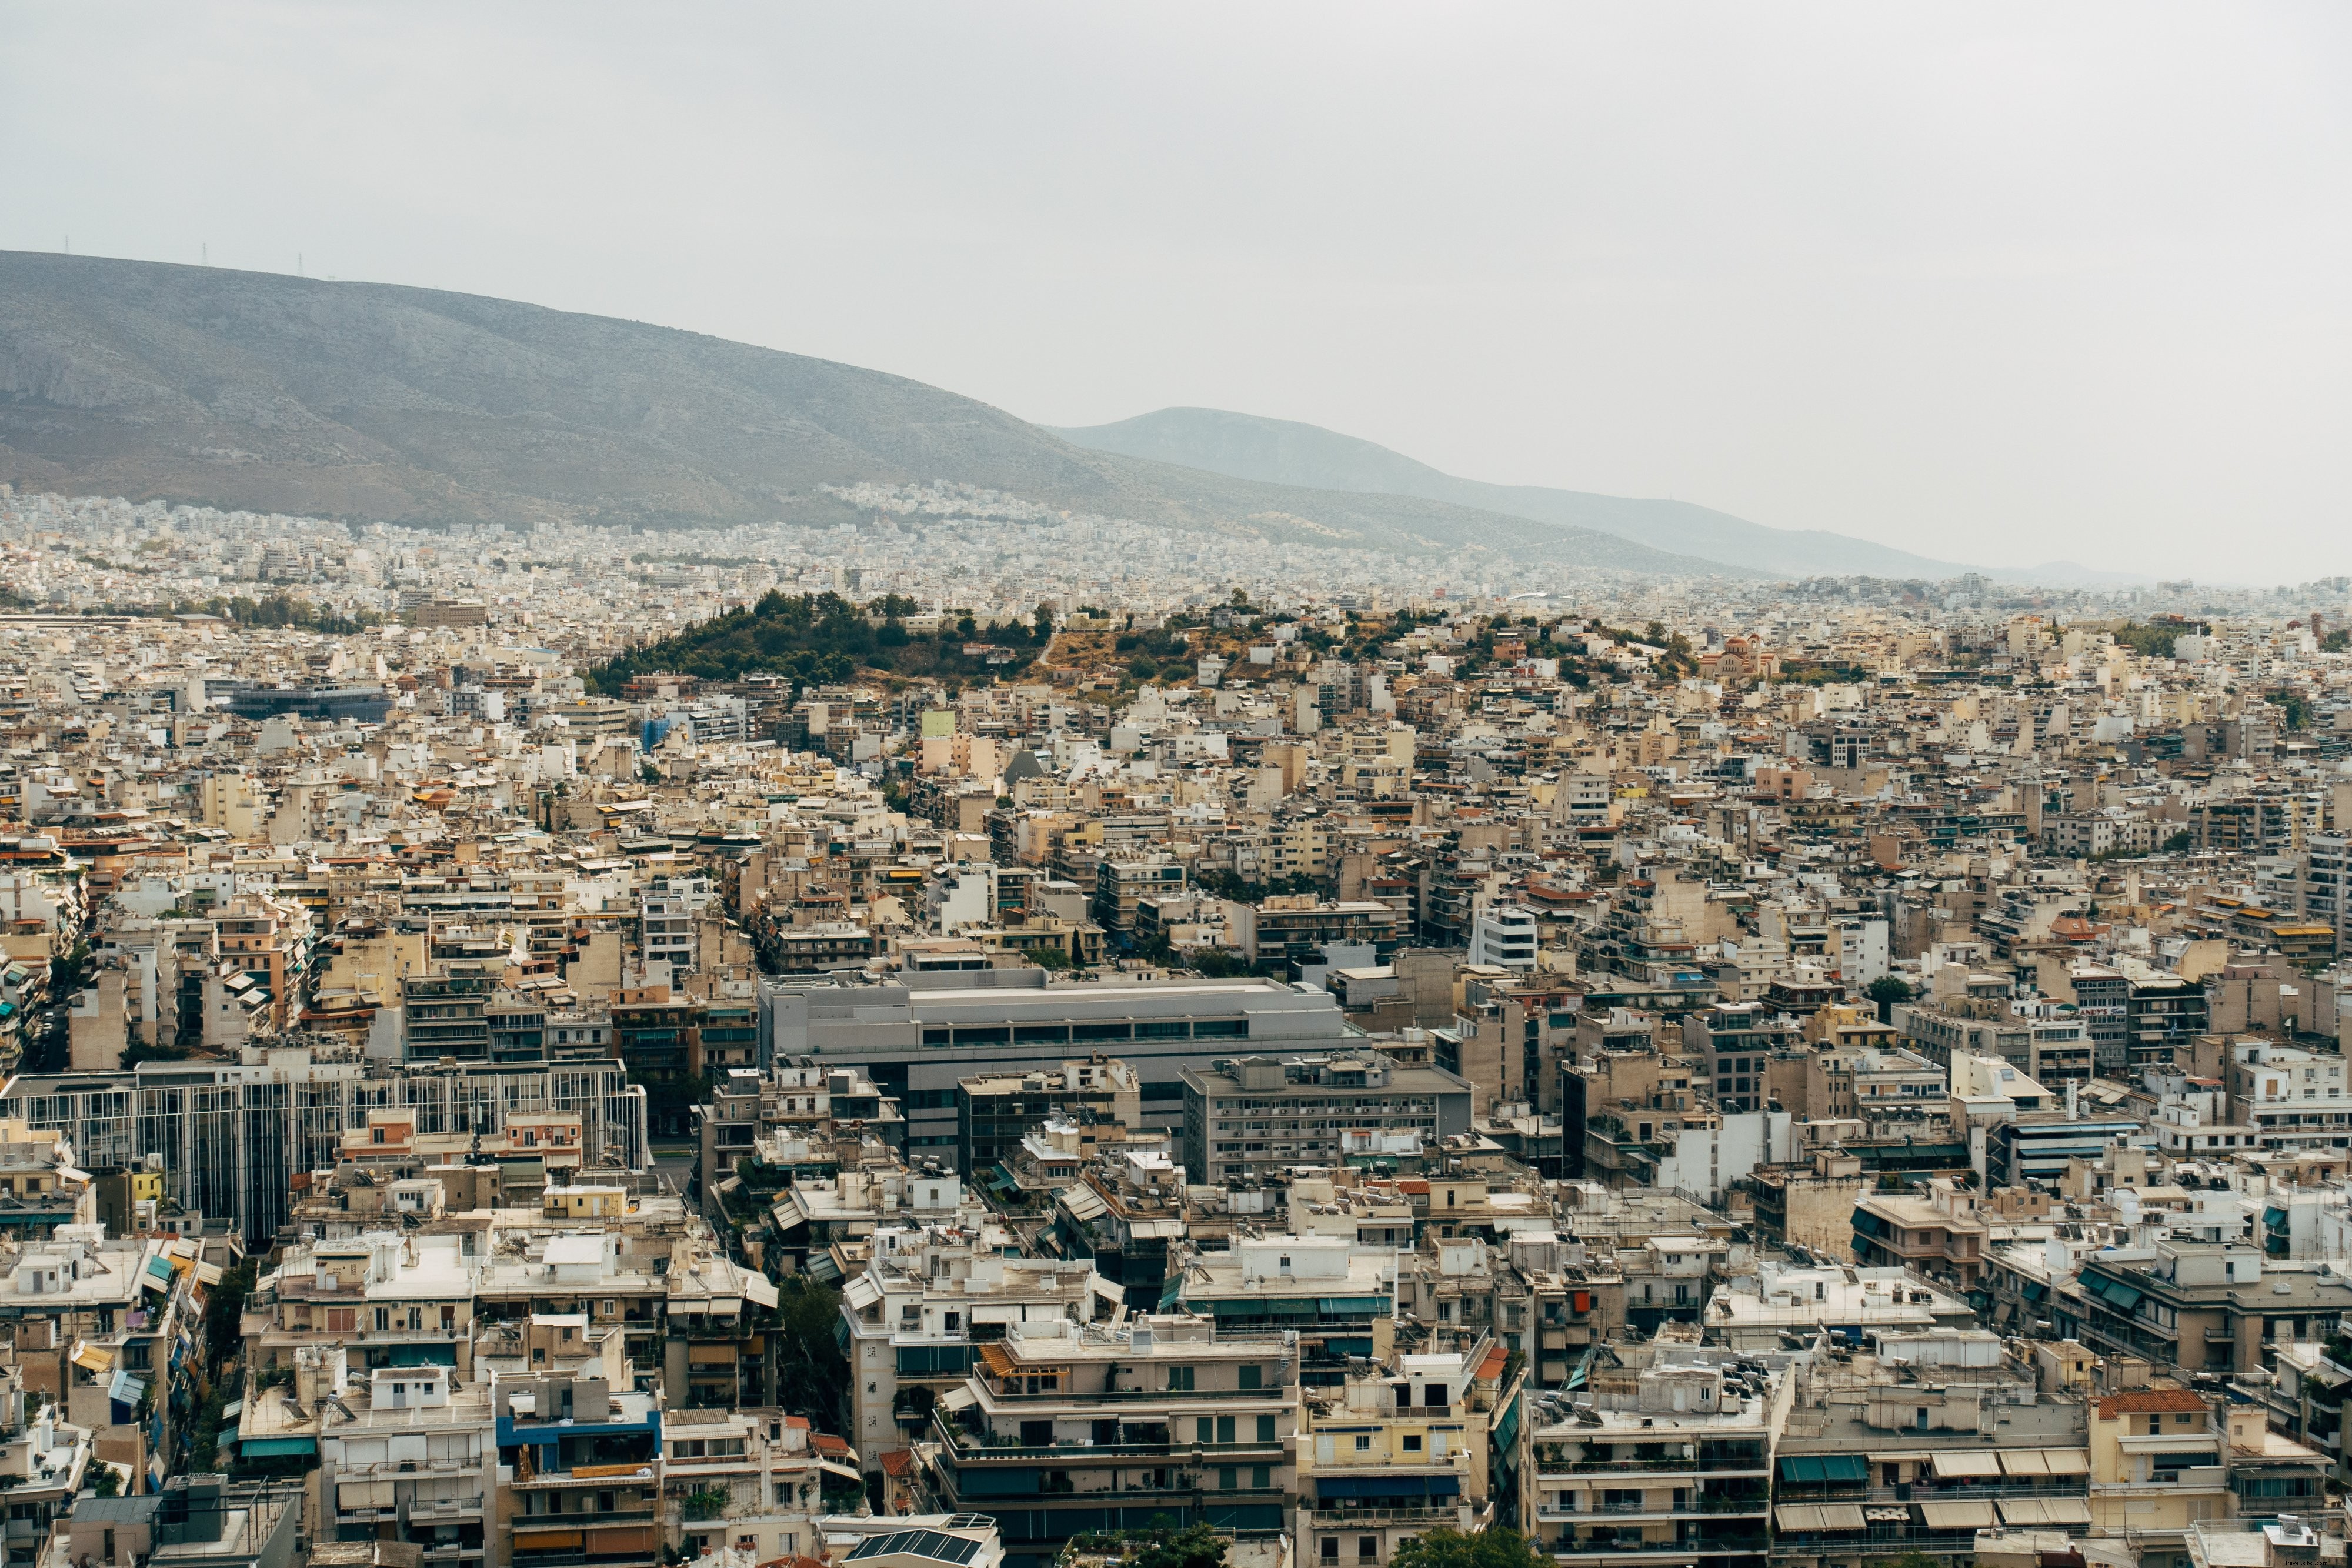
point(1257, 1117)
point(995, 1110)
point(2197, 1306)
point(587, 1470)
point(1066, 1427)
point(1671, 1465)
point(1407, 1445)
point(931, 1295)
point(1938, 1233)
point(416, 1460)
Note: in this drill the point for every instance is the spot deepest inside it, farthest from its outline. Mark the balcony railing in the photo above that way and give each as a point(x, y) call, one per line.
point(969, 1445)
point(1742, 1546)
point(1428, 1517)
point(1278, 1391)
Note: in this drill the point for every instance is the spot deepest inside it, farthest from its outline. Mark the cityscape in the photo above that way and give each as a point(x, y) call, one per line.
point(1408, 1058)
point(1062, 787)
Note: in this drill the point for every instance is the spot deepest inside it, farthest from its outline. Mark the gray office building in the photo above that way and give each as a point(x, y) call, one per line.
point(916, 1037)
point(1256, 1118)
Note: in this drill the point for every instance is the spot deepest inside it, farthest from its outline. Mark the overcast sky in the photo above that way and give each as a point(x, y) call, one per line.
point(1997, 283)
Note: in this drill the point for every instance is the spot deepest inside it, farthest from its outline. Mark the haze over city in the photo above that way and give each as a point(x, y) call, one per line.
point(1994, 284)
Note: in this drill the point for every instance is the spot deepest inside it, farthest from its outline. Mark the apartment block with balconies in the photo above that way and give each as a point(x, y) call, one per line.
point(1667, 1463)
point(1937, 1233)
point(1065, 1428)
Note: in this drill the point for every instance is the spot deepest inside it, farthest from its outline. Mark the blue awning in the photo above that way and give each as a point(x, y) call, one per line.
point(1386, 1485)
point(264, 1448)
point(1819, 1468)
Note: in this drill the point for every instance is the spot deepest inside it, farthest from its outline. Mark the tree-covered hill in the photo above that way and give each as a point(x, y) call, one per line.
point(816, 638)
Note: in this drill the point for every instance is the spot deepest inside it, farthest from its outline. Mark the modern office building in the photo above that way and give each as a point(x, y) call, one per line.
point(917, 1038)
point(229, 1137)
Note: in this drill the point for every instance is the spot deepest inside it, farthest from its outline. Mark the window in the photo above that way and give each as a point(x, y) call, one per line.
point(1330, 1553)
point(1412, 1442)
point(1266, 1429)
point(1363, 1444)
point(1180, 1380)
point(1368, 1548)
point(1251, 1376)
point(1261, 1477)
point(1229, 1478)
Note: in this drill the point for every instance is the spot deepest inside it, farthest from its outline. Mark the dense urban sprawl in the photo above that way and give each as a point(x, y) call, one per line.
point(992, 1038)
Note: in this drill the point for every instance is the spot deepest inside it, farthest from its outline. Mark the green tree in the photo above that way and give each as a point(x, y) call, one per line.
point(1044, 621)
point(815, 1373)
point(1887, 991)
point(2181, 842)
point(1496, 1546)
point(1165, 1546)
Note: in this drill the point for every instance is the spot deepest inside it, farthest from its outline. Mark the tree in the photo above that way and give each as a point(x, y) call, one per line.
point(1887, 991)
point(2181, 842)
point(1044, 619)
point(1162, 1545)
point(1496, 1546)
point(814, 1374)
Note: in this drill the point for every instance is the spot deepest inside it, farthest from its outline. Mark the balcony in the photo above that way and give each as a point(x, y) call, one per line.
point(444, 1508)
point(526, 1521)
point(967, 1447)
point(1428, 1518)
point(1755, 1545)
point(1693, 1466)
point(1716, 1507)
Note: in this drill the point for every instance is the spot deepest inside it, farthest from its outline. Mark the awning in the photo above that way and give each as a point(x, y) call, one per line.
point(2067, 1461)
point(823, 1269)
point(1975, 1514)
point(365, 1494)
point(960, 1397)
point(998, 1359)
point(2032, 1510)
point(208, 1273)
point(1385, 1485)
point(90, 1358)
point(846, 1472)
point(1957, 1465)
point(1804, 1516)
point(2025, 1462)
point(761, 1289)
point(1803, 1469)
point(861, 1293)
point(126, 1389)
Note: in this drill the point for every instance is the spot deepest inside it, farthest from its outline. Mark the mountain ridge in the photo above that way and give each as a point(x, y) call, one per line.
point(383, 402)
point(1287, 451)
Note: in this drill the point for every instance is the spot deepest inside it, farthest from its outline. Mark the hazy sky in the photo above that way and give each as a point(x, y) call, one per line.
point(1997, 283)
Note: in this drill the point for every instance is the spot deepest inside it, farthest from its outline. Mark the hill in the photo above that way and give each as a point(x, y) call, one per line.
point(1281, 451)
point(368, 400)
point(824, 638)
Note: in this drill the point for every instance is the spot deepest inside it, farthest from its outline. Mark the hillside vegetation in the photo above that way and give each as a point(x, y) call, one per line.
point(821, 639)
